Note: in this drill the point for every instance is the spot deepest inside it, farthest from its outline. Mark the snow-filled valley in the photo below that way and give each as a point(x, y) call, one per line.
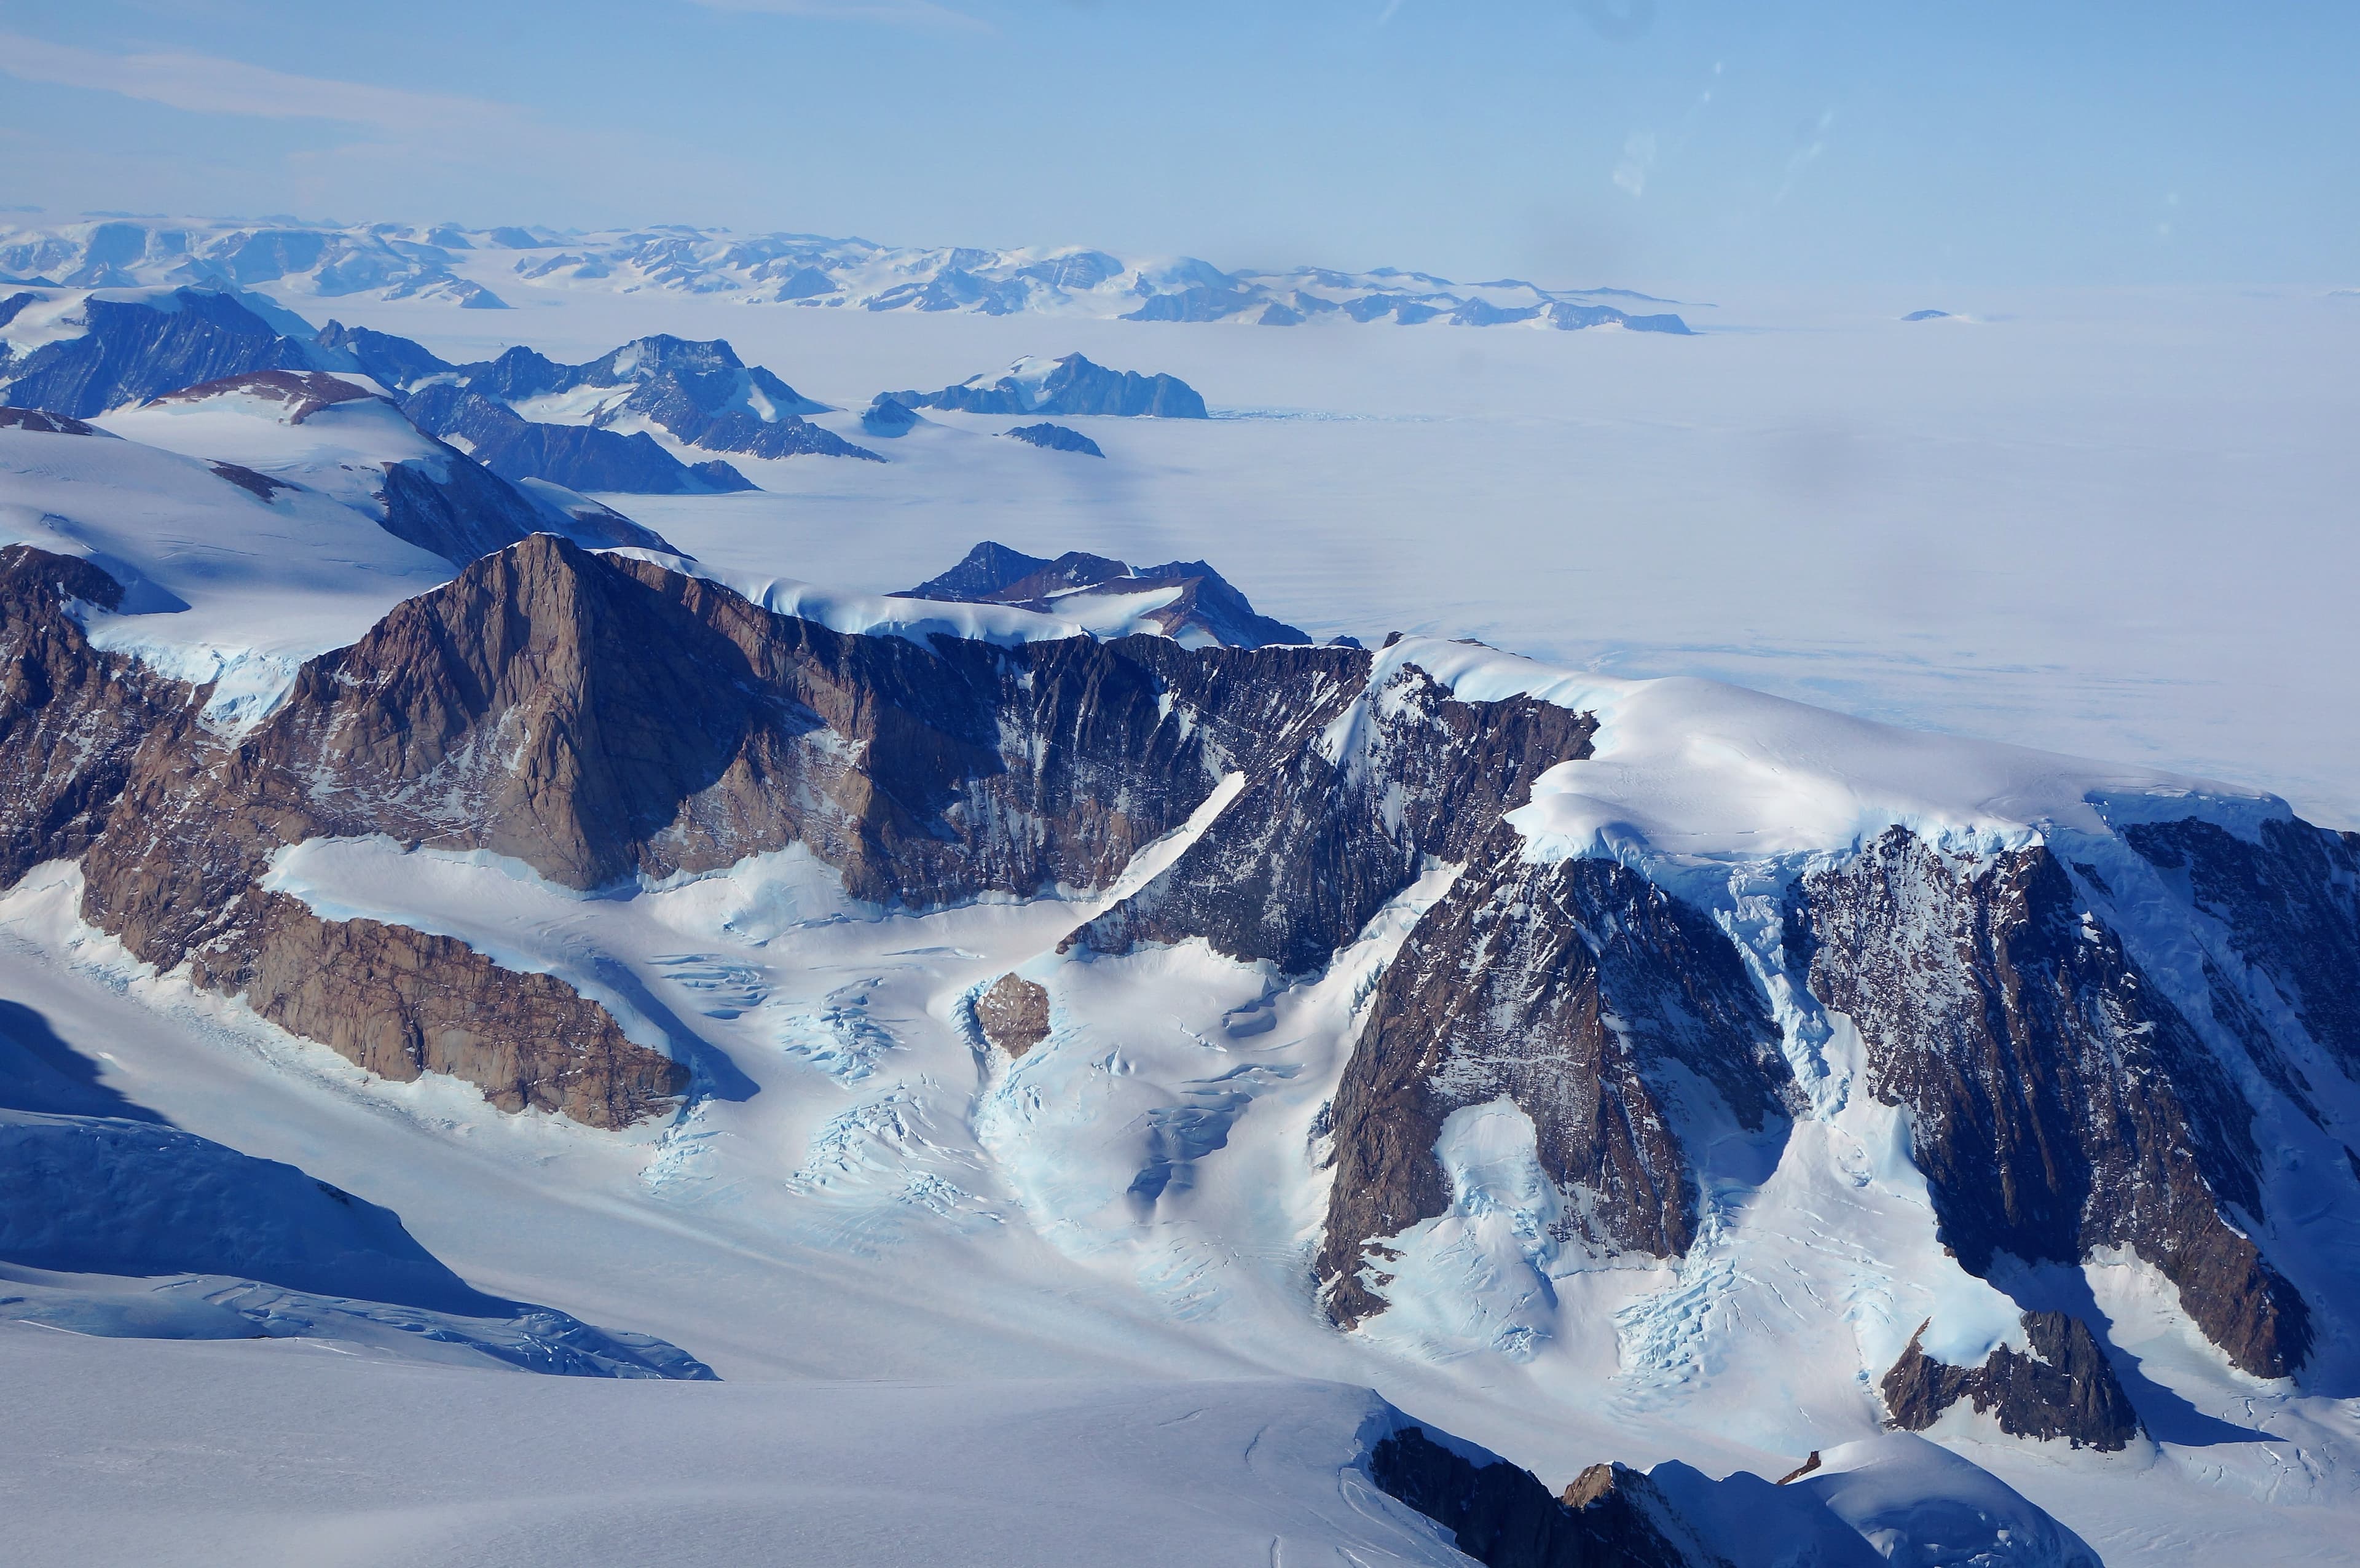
point(881, 1280)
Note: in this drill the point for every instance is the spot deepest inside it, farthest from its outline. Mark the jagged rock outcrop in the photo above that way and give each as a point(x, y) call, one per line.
point(1357, 790)
point(1013, 1014)
point(71, 718)
point(1504, 1517)
point(602, 719)
point(2063, 1388)
point(107, 762)
point(597, 718)
point(394, 362)
point(2290, 899)
point(1597, 1002)
point(430, 494)
point(2058, 1102)
point(700, 393)
point(1054, 438)
point(1204, 608)
point(1070, 384)
point(398, 1003)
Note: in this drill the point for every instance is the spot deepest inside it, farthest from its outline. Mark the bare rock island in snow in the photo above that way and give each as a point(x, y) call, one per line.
point(1054, 438)
point(1191, 602)
point(1068, 386)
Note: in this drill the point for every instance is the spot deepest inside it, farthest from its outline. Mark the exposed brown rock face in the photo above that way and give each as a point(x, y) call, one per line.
point(2063, 1389)
point(598, 718)
point(2058, 1102)
point(1013, 1014)
point(399, 1002)
point(99, 758)
point(1315, 844)
point(602, 719)
point(1596, 1001)
point(1501, 1517)
point(71, 718)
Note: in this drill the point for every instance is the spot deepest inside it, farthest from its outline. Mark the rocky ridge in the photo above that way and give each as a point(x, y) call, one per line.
point(1204, 608)
point(1503, 1517)
point(1070, 385)
point(2060, 1104)
point(806, 271)
point(2060, 1388)
point(602, 719)
point(419, 489)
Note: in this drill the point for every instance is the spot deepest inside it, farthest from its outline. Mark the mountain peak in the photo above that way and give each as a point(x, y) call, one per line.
point(1202, 608)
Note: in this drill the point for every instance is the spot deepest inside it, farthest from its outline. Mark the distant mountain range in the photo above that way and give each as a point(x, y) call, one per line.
point(467, 267)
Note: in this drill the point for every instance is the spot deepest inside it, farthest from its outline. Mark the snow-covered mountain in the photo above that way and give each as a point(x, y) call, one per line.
point(1066, 968)
point(1187, 600)
point(1068, 385)
point(463, 266)
point(638, 419)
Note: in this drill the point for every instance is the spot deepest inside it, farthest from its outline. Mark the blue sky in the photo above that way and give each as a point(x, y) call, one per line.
point(1572, 141)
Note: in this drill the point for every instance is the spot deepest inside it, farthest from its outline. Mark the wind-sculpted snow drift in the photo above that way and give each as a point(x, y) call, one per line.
point(115, 1222)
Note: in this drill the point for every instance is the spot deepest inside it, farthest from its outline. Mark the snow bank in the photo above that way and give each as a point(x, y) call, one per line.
point(917, 620)
point(1924, 1505)
point(107, 1195)
point(1702, 770)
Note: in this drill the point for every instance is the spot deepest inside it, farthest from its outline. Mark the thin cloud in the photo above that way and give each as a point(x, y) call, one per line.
point(206, 86)
point(1638, 162)
point(1814, 139)
point(893, 13)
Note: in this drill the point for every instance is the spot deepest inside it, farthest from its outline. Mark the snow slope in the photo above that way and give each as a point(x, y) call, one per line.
point(223, 584)
point(128, 1452)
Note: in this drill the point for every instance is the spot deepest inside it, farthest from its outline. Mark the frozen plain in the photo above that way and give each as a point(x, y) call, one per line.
point(779, 1240)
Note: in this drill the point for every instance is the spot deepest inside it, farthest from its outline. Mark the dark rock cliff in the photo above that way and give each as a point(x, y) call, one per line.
point(1600, 1005)
point(2062, 1388)
point(2291, 903)
point(602, 719)
point(107, 762)
point(1316, 843)
point(1504, 1517)
point(580, 457)
point(71, 718)
point(1054, 438)
point(2058, 1102)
